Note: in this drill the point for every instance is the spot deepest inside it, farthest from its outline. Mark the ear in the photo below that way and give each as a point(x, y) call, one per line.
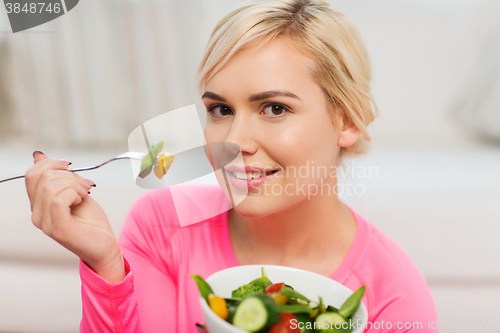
point(348, 132)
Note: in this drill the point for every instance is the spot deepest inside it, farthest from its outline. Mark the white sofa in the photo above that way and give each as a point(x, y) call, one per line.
point(438, 203)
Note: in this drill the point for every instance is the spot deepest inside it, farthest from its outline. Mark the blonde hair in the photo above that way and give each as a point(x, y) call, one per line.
point(319, 32)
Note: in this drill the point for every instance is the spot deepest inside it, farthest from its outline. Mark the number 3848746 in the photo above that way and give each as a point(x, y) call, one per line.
point(33, 8)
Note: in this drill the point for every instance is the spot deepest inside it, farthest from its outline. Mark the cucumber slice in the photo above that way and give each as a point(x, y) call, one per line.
point(256, 312)
point(231, 309)
point(331, 322)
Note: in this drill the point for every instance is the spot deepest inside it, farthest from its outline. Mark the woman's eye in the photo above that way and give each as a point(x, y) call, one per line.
point(274, 110)
point(220, 110)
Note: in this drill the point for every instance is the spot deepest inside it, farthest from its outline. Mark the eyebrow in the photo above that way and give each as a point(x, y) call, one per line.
point(255, 97)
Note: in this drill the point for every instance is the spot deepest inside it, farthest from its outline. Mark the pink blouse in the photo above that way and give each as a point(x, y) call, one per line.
point(158, 295)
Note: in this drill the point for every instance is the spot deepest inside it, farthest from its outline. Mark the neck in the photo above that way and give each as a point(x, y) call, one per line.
point(319, 228)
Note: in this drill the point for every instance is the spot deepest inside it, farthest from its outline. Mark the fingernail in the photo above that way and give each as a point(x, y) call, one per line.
point(91, 183)
point(36, 152)
point(66, 162)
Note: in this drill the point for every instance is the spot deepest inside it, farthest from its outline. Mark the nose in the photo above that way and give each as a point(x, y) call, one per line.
point(240, 136)
point(231, 148)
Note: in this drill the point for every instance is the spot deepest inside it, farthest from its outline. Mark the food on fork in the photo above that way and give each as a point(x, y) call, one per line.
point(160, 163)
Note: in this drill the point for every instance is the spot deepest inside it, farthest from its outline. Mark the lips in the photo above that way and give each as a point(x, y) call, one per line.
point(248, 180)
point(247, 169)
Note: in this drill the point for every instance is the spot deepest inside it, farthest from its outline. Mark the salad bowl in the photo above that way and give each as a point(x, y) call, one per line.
point(311, 285)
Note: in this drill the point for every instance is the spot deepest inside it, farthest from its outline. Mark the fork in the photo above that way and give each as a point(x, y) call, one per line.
point(128, 155)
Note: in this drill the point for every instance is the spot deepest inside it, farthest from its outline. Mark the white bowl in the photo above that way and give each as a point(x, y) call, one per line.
point(309, 284)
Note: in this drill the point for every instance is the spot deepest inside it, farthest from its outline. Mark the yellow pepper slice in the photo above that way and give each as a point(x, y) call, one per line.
point(218, 305)
point(162, 165)
point(280, 298)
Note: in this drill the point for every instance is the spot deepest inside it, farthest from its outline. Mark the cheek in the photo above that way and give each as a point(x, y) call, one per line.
point(214, 133)
point(302, 142)
point(211, 135)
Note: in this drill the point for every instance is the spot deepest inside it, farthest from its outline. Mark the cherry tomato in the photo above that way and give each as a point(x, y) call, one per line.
point(281, 328)
point(286, 318)
point(274, 291)
point(285, 325)
point(274, 288)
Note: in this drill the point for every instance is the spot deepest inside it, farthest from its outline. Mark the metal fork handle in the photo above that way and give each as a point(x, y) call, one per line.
point(72, 170)
point(121, 157)
point(100, 165)
point(6, 180)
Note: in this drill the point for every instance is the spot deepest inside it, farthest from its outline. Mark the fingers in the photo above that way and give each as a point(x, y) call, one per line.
point(201, 328)
point(59, 215)
point(50, 184)
point(50, 175)
point(54, 194)
point(33, 175)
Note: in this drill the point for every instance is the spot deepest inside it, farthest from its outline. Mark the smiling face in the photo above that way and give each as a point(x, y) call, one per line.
point(266, 101)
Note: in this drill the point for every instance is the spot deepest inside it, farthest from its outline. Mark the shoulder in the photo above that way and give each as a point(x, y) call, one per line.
point(163, 215)
point(395, 289)
point(181, 205)
point(169, 225)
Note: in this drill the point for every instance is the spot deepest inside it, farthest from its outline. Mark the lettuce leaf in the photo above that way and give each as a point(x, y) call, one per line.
point(256, 286)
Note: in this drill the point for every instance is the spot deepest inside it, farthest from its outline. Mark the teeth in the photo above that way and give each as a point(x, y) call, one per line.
point(248, 175)
point(241, 175)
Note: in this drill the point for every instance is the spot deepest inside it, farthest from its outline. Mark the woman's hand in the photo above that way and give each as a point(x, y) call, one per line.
point(201, 328)
point(63, 210)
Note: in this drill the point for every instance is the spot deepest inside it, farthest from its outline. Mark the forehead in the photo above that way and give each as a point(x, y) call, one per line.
point(261, 66)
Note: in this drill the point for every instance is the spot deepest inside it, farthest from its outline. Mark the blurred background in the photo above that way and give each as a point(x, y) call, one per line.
point(77, 86)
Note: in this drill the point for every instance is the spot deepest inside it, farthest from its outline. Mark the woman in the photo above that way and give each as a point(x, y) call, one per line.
point(287, 81)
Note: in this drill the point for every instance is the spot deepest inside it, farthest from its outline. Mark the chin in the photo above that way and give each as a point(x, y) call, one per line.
point(251, 209)
point(256, 205)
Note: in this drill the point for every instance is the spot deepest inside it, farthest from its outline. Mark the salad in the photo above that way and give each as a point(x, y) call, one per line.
point(151, 161)
point(266, 307)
